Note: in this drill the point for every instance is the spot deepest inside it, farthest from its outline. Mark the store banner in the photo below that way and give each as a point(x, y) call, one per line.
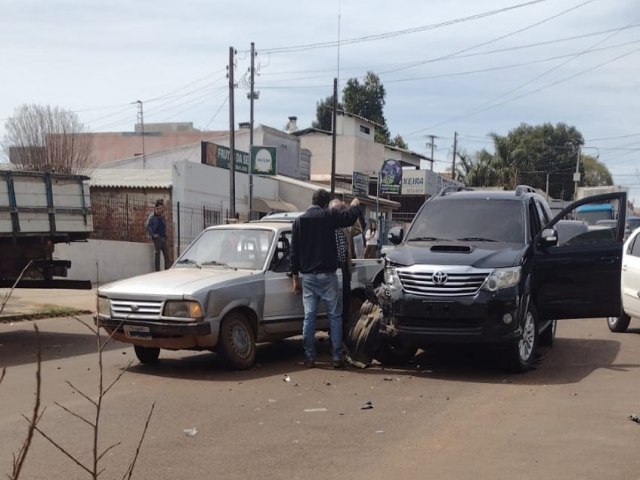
point(263, 160)
point(390, 177)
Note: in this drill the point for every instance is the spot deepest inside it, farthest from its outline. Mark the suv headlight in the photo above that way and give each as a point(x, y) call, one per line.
point(391, 278)
point(104, 307)
point(502, 278)
point(182, 309)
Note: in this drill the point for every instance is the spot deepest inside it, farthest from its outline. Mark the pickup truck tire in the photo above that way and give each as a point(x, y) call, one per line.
point(619, 324)
point(237, 342)
point(395, 354)
point(147, 355)
point(521, 353)
point(548, 335)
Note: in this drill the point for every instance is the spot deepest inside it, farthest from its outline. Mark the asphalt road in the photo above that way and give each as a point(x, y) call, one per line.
point(450, 414)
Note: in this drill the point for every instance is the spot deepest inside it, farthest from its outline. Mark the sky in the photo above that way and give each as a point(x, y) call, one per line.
point(466, 66)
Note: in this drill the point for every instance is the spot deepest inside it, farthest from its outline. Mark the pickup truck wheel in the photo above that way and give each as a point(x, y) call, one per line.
point(521, 353)
point(147, 354)
point(363, 339)
point(395, 354)
point(237, 342)
point(619, 324)
point(355, 305)
point(548, 335)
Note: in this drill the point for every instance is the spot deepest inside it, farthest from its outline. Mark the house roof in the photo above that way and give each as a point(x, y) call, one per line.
point(131, 178)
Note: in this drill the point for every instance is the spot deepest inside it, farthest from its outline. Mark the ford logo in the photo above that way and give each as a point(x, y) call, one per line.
point(439, 278)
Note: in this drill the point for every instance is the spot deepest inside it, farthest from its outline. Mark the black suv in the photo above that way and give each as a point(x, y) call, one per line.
point(485, 266)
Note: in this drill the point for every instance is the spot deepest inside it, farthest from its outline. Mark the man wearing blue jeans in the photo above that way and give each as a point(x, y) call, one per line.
point(314, 257)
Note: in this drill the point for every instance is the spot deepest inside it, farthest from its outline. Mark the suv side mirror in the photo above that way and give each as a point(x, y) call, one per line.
point(396, 234)
point(549, 237)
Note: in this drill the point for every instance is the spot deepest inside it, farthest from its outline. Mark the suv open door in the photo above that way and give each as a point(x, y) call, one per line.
point(579, 277)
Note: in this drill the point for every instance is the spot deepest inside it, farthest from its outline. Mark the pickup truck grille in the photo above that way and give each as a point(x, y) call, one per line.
point(136, 310)
point(434, 281)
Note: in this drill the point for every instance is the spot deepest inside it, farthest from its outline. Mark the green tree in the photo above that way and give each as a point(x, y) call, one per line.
point(324, 111)
point(367, 100)
point(595, 172)
point(42, 138)
point(399, 142)
point(479, 170)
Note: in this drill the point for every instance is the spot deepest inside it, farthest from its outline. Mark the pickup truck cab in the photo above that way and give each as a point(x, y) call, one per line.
point(486, 266)
point(229, 290)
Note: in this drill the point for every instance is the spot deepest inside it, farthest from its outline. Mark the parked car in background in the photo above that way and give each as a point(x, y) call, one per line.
point(631, 225)
point(629, 284)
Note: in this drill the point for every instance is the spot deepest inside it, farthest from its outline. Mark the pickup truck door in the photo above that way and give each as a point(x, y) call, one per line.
point(580, 277)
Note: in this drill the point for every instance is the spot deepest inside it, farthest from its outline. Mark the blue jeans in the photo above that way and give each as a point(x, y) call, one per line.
point(316, 287)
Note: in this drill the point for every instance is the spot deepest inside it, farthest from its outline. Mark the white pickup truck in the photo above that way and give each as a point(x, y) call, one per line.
point(228, 291)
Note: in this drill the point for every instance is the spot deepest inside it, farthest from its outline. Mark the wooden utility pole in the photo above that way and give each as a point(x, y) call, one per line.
point(455, 152)
point(333, 136)
point(232, 139)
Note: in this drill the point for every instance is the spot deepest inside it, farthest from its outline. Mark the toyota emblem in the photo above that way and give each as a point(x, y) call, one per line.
point(439, 278)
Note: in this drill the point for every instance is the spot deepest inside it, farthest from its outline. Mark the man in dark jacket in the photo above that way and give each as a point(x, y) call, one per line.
point(157, 230)
point(314, 257)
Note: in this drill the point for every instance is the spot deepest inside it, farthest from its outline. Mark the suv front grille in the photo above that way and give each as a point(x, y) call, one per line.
point(136, 310)
point(433, 280)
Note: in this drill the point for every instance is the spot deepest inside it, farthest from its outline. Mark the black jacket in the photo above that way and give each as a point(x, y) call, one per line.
point(313, 239)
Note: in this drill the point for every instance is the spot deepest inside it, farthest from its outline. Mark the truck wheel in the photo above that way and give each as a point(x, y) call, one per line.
point(237, 342)
point(521, 353)
point(395, 354)
point(548, 335)
point(355, 305)
point(363, 339)
point(147, 354)
point(619, 324)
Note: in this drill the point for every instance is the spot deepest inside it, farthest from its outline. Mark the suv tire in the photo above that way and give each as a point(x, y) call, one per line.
point(548, 335)
point(521, 353)
point(619, 324)
point(147, 355)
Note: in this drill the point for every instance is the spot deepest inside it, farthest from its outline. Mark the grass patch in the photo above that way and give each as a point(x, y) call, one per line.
point(46, 311)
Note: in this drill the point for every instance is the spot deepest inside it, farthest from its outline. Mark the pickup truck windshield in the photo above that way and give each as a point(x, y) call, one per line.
point(229, 247)
point(472, 220)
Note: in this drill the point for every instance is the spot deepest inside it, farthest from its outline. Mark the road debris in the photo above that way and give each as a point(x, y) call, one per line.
point(379, 431)
point(634, 418)
point(367, 406)
point(190, 432)
point(286, 378)
point(313, 410)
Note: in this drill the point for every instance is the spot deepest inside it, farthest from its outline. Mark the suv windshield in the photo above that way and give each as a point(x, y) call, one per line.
point(474, 219)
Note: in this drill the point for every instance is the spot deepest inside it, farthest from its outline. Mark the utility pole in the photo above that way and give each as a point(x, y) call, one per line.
point(455, 152)
point(141, 121)
point(432, 145)
point(333, 136)
point(576, 176)
point(232, 139)
point(251, 98)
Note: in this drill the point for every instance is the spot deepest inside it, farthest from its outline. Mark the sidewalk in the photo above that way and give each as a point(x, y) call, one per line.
point(34, 302)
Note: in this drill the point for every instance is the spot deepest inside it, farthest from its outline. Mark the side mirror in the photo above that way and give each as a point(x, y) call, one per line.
point(549, 237)
point(396, 234)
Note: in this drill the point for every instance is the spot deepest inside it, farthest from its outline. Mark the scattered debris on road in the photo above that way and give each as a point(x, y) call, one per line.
point(286, 378)
point(367, 406)
point(634, 418)
point(190, 432)
point(313, 410)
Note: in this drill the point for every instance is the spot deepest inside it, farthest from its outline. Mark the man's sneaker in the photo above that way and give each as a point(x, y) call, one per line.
point(338, 363)
point(309, 363)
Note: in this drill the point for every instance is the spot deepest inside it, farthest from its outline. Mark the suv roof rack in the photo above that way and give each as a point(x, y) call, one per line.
point(520, 189)
point(453, 189)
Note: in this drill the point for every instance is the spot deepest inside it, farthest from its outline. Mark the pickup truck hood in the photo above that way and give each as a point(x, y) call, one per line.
point(478, 255)
point(176, 281)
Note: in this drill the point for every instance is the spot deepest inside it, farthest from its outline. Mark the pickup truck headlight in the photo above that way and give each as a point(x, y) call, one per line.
point(182, 309)
point(502, 278)
point(391, 277)
point(104, 307)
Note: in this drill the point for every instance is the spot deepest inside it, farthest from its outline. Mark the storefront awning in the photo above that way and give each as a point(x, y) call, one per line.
point(266, 205)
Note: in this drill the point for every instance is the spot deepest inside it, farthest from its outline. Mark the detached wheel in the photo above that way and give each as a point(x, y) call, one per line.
point(548, 335)
point(363, 339)
point(355, 306)
point(237, 342)
point(147, 355)
point(619, 324)
point(521, 353)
